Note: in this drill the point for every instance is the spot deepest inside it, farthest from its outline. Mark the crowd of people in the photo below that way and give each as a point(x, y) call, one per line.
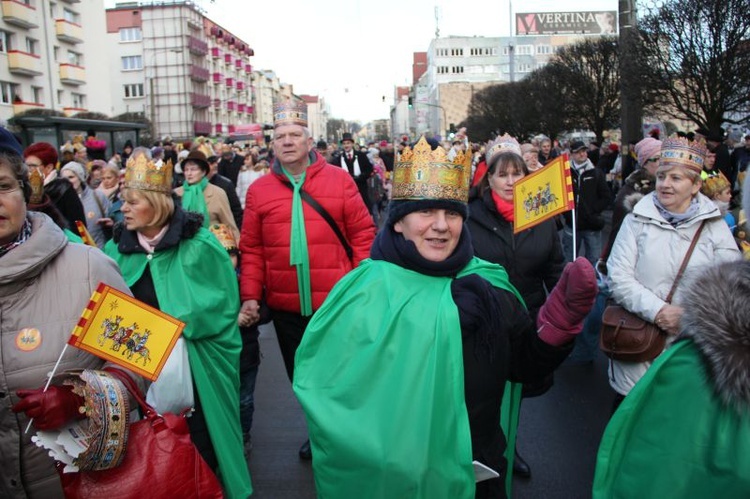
point(406, 307)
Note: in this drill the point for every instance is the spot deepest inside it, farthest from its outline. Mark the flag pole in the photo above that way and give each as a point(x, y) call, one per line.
point(49, 380)
point(575, 239)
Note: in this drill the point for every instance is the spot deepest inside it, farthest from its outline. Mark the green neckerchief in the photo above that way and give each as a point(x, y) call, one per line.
point(298, 255)
point(194, 200)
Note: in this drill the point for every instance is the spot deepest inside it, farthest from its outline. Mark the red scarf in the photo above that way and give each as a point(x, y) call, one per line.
point(505, 208)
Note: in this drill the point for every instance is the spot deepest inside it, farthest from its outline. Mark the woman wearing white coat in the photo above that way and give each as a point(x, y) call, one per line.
point(652, 243)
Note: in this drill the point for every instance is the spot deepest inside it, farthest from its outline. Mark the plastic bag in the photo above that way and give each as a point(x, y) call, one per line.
point(173, 389)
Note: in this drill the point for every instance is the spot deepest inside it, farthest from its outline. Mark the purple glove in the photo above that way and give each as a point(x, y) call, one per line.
point(50, 409)
point(561, 317)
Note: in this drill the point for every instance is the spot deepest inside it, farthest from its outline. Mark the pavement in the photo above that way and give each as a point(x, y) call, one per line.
point(558, 436)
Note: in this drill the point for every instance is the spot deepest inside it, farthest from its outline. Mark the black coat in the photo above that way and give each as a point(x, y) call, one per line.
point(533, 258)
point(234, 200)
point(230, 168)
point(365, 169)
point(66, 200)
point(592, 196)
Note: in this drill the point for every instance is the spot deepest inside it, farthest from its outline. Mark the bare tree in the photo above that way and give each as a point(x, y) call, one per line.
point(698, 59)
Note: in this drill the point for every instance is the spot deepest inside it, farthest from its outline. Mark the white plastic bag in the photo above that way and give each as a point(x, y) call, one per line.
point(173, 389)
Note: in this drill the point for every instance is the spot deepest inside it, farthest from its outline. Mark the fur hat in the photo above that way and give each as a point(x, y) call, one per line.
point(199, 159)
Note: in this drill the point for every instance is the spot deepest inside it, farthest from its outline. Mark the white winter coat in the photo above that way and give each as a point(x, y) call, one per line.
point(645, 258)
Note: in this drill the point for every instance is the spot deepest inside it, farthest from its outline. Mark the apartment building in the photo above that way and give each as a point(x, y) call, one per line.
point(51, 56)
point(317, 116)
point(183, 71)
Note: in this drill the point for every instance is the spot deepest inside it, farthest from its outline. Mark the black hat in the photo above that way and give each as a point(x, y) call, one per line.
point(577, 145)
point(198, 158)
point(321, 144)
point(716, 135)
point(347, 136)
point(9, 143)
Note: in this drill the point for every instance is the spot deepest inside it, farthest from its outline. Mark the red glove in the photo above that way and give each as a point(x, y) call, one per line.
point(562, 315)
point(50, 409)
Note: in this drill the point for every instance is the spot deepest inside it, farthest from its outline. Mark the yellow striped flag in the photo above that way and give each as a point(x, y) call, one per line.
point(84, 233)
point(118, 328)
point(543, 194)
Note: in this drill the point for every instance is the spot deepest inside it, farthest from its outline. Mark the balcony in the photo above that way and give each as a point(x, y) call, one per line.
point(70, 74)
point(219, 127)
point(231, 105)
point(229, 82)
point(240, 86)
point(218, 77)
point(23, 63)
point(238, 64)
point(19, 14)
point(215, 52)
point(199, 74)
point(22, 107)
point(240, 108)
point(231, 128)
point(250, 110)
point(248, 68)
point(71, 111)
point(71, 1)
point(228, 59)
point(200, 101)
point(217, 103)
point(68, 31)
point(197, 46)
point(202, 127)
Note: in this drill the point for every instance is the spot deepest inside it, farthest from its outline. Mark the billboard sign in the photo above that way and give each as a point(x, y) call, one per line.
point(567, 23)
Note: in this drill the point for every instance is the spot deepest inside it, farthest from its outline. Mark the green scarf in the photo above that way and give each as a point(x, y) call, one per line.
point(194, 200)
point(298, 255)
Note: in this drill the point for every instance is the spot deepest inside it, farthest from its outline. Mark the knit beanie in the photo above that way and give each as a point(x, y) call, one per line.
point(647, 148)
point(77, 169)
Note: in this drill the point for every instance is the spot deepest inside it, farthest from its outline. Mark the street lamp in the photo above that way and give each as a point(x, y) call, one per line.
point(152, 98)
point(445, 120)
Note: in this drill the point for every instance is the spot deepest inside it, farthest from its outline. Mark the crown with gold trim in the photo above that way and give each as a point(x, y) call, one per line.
point(679, 151)
point(143, 174)
point(224, 235)
point(36, 181)
point(504, 143)
point(714, 184)
point(290, 112)
point(422, 173)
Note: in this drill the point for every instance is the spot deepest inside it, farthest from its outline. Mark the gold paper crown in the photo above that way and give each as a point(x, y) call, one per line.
point(224, 235)
point(714, 184)
point(679, 151)
point(290, 112)
point(36, 181)
point(426, 174)
point(504, 143)
point(143, 174)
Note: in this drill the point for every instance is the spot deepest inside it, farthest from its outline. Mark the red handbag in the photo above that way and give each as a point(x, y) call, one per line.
point(161, 461)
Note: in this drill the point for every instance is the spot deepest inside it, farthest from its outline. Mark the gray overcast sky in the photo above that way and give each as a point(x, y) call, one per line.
point(354, 53)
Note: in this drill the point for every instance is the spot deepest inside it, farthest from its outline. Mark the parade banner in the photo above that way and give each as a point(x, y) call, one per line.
point(543, 194)
point(85, 235)
point(118, 328)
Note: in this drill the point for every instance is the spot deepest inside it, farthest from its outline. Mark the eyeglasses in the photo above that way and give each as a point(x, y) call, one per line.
point(9, 187)
point(34, 165)
point(652, 160)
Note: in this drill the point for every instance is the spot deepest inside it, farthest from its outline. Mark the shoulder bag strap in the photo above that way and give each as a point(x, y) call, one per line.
point(685, 261)
point(327, 217)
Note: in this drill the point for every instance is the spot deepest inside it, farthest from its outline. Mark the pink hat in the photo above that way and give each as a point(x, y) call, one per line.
point(647, 148)
point(383, 143)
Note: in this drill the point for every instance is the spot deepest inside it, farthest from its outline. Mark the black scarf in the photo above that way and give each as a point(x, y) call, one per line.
point(479, 308)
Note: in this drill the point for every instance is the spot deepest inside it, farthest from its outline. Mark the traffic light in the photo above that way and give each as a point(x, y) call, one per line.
point(411, 102)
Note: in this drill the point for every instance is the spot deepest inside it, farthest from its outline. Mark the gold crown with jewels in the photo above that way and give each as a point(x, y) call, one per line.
point(290, 112)
point(503, 143)
point(679, 151)
point(143, 174)
point(422, 173)
point(36, 181)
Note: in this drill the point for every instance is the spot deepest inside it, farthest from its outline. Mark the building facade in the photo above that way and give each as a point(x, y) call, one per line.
point(317, 116)
point(183, 71)
point(49, 53)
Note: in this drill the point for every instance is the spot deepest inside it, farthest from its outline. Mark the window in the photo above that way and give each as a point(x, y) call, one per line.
point(457, 69)
point(457, 52)
point(56, 53)
point(53, 10)
point(132, 62)
point(506, 50)
point(133, 90)
point(60, 95)
point(7, 92)
point(31, 45)
point(70, 16)
point(525, 50)
point(75, 58)
point(5, 41)
point(79, 100)
point(38, 94)
point(543, 49)
point(441, 70)
point(130, 34)
point(523, 68)
point(441, 52)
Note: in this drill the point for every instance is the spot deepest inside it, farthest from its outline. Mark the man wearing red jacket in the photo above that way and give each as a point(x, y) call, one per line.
point(290, 254)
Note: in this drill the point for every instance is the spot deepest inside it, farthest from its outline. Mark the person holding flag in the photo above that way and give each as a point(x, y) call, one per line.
point(178, 267)
point(533, 258)
point(45, 282)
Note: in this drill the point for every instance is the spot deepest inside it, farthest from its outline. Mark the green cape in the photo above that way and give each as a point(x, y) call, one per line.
point(379, 374)
point(195, 282)
point(672, 436)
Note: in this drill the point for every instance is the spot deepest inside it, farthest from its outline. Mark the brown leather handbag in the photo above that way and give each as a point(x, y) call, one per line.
point(625, 336)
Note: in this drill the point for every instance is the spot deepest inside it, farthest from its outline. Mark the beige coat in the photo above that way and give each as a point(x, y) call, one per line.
point(218, 208)
point(44, 286)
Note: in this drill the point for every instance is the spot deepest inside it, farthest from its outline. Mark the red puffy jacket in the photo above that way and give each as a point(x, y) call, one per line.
point(264, 243)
